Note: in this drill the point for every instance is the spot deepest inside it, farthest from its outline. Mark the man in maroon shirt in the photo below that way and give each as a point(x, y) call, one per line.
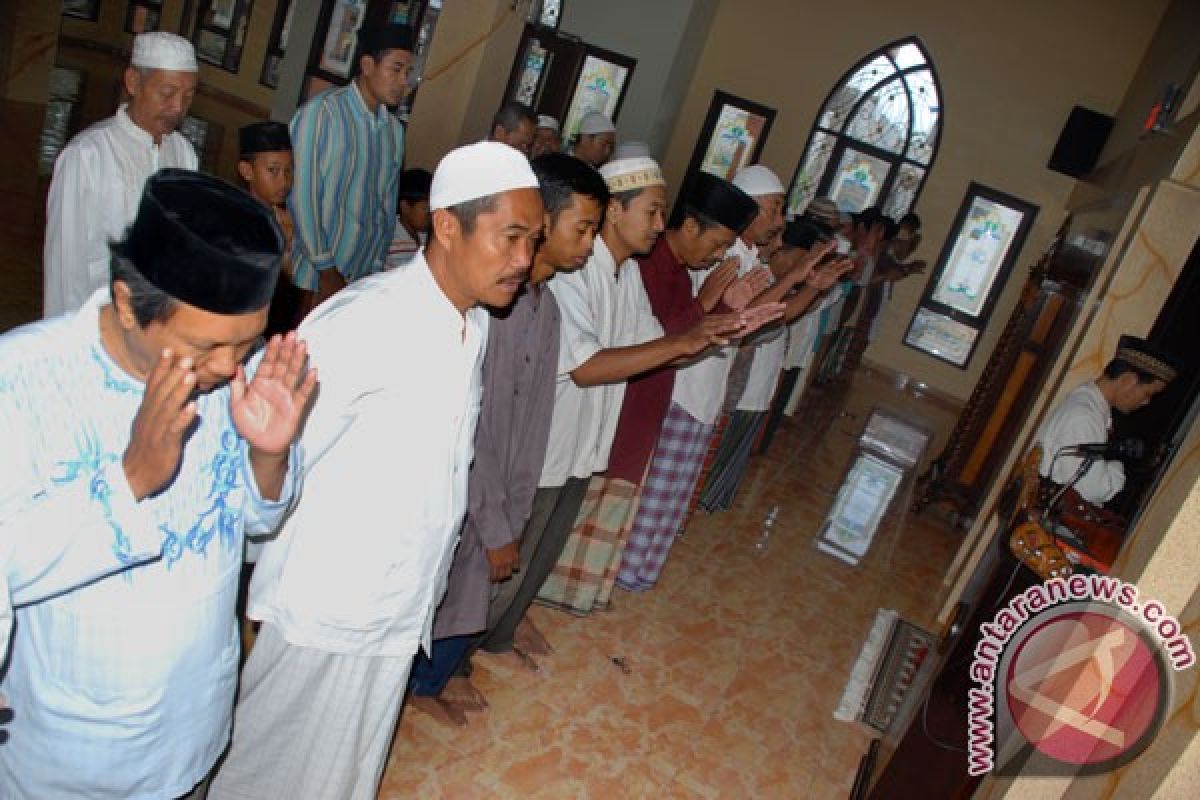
point(682, 286)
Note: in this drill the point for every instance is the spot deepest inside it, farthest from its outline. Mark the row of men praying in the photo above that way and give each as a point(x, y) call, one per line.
point(519, 411)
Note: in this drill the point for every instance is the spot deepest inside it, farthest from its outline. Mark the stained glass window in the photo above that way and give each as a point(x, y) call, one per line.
point(876, 136)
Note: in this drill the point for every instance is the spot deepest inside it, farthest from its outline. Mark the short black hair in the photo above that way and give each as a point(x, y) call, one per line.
point(468, 212)
point(805, 232)
point(150, 303)
point(561, 176)
point(910, 220)
point(1119, 366)
point(512, 114)
point(414, 184)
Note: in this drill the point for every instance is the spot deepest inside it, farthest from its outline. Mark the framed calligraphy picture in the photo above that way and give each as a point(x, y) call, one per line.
point(600, 86)
point(732, 137)
point(976, 260)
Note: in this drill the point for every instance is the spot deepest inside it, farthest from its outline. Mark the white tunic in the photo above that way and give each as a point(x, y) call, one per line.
point(700, 386)
point(360, 565)
point(602, 306)
point(124, 663)
point(94, 196)
point(1083, 417)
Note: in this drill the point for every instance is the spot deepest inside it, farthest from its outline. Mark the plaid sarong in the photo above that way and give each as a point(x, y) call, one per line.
point(711, 448)
point(678, 456)
point(583, 578)
point(733, 457)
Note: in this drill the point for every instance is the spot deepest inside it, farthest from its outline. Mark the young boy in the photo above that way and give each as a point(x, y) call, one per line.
point(412, 217)
point(265, 166)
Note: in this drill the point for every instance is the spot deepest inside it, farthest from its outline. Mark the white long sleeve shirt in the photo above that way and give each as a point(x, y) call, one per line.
point(125, 656)
point(700, 386)
point(602, 305)
point(360, 565)
point(1083, 417)
point(94, 196)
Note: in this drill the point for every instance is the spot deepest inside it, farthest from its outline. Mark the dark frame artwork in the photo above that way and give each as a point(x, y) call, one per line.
point(990, 227)
point(82, 9)
point(334, 65)
point(706, 145)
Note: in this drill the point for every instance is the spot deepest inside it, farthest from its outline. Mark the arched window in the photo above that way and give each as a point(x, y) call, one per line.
point(876, 136)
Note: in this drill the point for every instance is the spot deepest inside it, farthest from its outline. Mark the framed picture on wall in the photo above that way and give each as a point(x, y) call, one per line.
point(340, 39)
point(142, 16)
point(81, 9)
point(732, 135)
point(976, 260)
point(600, 86)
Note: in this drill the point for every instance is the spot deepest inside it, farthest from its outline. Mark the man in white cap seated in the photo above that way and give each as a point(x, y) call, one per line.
point(546, 138)
point(597, 137)
point(346, 592)
point(99, 175)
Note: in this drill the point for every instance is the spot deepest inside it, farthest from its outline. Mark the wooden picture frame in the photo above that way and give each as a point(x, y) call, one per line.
point(985, 240)
point(88, 10)
point(143, 16)
point(335, 43)
point(600, 84)
point(732, 136)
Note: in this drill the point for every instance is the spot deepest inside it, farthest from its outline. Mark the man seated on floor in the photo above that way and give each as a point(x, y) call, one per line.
point(1136, 374)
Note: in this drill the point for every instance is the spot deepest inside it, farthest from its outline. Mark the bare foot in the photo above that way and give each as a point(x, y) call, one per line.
point(441, 710)
point(531, 640)
point(462, 693)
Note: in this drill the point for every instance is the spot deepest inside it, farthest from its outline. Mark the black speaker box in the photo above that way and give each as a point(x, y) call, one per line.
point(1080, 142)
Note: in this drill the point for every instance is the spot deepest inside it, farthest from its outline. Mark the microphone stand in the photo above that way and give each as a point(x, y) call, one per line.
point(1084, 466)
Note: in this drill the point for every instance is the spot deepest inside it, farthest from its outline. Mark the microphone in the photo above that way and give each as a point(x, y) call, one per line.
point(1124, 449)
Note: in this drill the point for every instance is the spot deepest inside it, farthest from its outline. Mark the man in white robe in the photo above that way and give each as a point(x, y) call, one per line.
point(99, 175)
point(1084, 417)
point(135, 456)
point(347, 592)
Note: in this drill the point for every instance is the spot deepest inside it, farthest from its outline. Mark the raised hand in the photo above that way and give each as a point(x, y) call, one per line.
point(757, 317)
point(268, 411)
point(156, 438)
point(714, 329)
point(748, 287)
point(743, 290)
point(716, 285)
point(807, 265)
point(830, 273)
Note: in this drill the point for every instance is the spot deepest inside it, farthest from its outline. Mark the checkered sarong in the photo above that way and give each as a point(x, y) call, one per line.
point(583, 578)
point(733, 456)
point(678, 456)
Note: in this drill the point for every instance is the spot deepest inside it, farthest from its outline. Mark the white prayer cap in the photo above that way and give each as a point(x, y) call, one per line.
point(757, 181)
point(161, 50)
point(595, 122)
point(479, 170)
point(545, 121)
point(627, 174)
point(631, 150)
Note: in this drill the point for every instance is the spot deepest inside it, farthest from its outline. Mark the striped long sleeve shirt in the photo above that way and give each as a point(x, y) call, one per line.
point(343, 202)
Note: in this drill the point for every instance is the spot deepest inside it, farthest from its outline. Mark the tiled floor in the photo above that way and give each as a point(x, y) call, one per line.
point(736, 660)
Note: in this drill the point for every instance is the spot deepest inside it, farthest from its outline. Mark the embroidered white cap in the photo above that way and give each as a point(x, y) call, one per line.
point(546, 121)
point(595, 122)
point(162, 50)
point(479, 170)
point(757, 181)
point(627, 174)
